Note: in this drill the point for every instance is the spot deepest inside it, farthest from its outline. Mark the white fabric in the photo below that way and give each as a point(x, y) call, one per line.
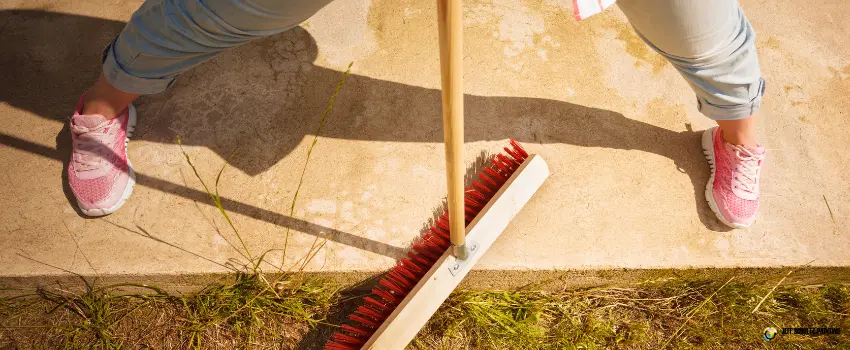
point(583, 9)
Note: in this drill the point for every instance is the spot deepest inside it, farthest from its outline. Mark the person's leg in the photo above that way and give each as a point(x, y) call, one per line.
point(740, 131)
point(712, 44)
point(163, 39)
point(167, 37)
point(104, 99)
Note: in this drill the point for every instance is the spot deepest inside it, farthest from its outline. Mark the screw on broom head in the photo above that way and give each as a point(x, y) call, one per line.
point(401, 279)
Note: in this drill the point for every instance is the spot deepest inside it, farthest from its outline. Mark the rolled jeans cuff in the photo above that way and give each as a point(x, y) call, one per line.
point(118, 77)
point(731, 112)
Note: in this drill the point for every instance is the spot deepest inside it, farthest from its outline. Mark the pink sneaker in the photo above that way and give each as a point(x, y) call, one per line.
point(733, 188)
point(100, 175)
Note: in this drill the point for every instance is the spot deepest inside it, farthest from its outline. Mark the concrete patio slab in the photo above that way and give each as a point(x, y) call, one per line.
point(617, 125)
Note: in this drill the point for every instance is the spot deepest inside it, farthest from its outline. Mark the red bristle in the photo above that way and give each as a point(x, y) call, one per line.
point(443, 223)
point(415, 264)
point(365, 311)
point(442, 243)
point(344, 338)
point(410, 265)
point(519, 150)
point(482, 188)
point(475, 194)
point(513, 164)
point(439, 233)
point(495, 175)
point(374, 302)
point(386, 295)
point(505, 163)
point(439, 241)
point(504, 169)
point(488, 180)
point(402, 273)
point(389, 284)
point(434, 247)
point(332, 345)
point(422, 249)
point(472, 202)
point(413, 257)
point(471, 211)
point(406, 273)
point(514, 155)
point(355, 330)
point(399, 280)
point(436, 244)
point(418, 247)
point(421, 261)
point(364, 321)
point(428, 236)
point(501, 167)
point(468, 218)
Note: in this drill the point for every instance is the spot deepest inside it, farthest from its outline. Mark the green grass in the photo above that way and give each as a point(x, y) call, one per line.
point(245, 314)
point(234, 315)
point(675, 314)
point(251, 311)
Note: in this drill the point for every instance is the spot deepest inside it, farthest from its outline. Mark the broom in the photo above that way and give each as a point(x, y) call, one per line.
point(408, 295)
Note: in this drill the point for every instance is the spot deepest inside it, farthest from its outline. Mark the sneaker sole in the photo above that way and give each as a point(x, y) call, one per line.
point(708, 150)
point(128, 190)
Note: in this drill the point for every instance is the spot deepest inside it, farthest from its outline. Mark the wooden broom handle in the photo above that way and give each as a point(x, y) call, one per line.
point(450, 17)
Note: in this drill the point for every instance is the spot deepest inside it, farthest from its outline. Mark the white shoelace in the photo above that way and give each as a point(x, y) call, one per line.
point(748, 170)
point(90, 145)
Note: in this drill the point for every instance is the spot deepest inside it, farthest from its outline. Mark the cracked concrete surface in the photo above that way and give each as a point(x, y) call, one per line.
point(617, 125)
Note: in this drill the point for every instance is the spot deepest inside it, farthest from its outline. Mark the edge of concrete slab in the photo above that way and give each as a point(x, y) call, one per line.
point(477, 279)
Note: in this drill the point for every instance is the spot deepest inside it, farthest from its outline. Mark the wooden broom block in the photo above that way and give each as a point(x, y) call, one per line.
point(417, 308)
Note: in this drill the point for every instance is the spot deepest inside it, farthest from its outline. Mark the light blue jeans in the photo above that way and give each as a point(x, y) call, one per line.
point(711, 43)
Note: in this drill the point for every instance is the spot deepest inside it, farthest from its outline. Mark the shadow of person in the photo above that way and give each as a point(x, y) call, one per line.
point(267, 96)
